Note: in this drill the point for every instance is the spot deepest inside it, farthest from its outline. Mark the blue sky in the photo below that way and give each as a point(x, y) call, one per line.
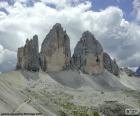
point(125, 5)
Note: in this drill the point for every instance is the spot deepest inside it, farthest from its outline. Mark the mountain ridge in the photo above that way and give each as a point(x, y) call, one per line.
point(55, 54)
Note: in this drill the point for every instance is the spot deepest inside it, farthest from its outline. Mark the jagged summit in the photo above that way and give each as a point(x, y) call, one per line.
point(88, 54)
point(27, 56)
point(55, 54)
point(55, 51)
point(91, 43)
point(57, 25)
point(88, 35)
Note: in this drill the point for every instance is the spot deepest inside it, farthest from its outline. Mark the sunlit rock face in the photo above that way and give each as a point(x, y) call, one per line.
point(27, 56)
point(55, 50)
point(110, 64)
point(88, 55)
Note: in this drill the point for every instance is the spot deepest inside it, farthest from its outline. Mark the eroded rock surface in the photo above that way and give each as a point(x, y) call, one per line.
point(27, 56)
point(110, 64)
point(55, 54)
point(88, 55)
point(55, 50)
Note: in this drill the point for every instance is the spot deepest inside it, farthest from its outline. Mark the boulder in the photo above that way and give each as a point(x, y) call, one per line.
point(55, 50)
point(88, 55)
point(27, 56)
point(110, 64)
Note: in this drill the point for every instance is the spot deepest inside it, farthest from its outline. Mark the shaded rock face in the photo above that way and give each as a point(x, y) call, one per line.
point(110, 64)
point(27, 56)
point(55, 50)
point(137, 71)
point(88, 55)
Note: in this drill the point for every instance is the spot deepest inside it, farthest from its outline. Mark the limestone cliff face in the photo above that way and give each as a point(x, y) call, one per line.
point(55, 50)
point(110, 64)
point(27, 56)
point(55, 54)
point(88, 55)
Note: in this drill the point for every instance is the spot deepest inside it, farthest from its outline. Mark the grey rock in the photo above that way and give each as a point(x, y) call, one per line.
point(20, 54)
point(27, 56)
point(88, 55)
point(110, 64)
point(113, 108)
point(128, 71)
point(55, 50)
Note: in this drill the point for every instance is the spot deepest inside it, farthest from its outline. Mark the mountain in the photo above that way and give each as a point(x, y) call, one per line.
point(27, 56)
point(55, 54)
point(128, 71)
point(88, 55)
point(110, 64)
point(54, 83)
point(55, 50)
point(138, 72)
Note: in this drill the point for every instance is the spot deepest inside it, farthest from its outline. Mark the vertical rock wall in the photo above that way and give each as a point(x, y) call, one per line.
point(55, 54)
point(27, 57)
point(55, 50)
point(110, 64)
point(88, 55)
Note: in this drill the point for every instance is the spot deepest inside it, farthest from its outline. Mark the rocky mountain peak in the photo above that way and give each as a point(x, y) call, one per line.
point(55, 54)
point(57, 26)
point(27, 56)
point(55, 51)
point(88, 35)
point(110, 64)
point(88, 54)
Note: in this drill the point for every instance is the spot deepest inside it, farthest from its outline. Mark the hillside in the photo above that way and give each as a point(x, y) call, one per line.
point(68, 91)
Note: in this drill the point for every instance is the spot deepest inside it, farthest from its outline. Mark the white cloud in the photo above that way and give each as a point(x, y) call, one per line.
point(3, 4)
point(7, 59)
point(119, 37)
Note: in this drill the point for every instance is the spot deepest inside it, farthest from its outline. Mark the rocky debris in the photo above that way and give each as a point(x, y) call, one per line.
point(110, 64)
point(128, 71)
point(55, 50)
point(27, 56)
point(88, 55)
point(113, 108)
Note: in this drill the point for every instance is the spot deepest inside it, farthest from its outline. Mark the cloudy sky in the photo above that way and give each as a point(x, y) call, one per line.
point(115, 23)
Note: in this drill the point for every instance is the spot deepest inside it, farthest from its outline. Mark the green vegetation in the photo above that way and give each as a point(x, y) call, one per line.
point(70, 109)
point(96, 114)
point(77, 113)
point(61, 113)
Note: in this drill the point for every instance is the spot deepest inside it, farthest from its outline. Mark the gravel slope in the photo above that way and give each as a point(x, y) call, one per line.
point(50, 93)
